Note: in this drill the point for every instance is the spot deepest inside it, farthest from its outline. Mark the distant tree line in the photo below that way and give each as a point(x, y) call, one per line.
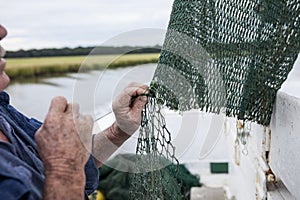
point(101, 50)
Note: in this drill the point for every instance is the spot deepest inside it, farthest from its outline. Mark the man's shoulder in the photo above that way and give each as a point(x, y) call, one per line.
point(11, 188)
point(17, 177)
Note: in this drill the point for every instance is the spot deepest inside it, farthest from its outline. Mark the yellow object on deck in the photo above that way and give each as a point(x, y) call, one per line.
point(97, 195)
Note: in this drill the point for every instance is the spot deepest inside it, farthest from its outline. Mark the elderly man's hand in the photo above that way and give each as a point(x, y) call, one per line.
point(127, 109)
point(64, 140)
point(64, 143)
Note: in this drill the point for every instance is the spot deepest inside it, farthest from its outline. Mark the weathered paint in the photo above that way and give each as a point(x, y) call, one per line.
point(285, 142)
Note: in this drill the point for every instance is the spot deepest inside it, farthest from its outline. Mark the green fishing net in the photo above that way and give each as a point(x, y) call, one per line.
point(219, 56)
point(157, 169)
point(115, 184)
point(228, 56)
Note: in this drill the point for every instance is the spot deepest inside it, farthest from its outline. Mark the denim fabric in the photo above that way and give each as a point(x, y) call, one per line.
point(21, 170)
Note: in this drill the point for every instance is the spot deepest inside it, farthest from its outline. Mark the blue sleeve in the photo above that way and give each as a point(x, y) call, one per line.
point(91, 171)
point(31, 125)
point(92, 176)
point(14, 189)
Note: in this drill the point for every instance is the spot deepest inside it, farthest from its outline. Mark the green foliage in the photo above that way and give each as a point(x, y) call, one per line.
point(101, 50)
point(23, 68)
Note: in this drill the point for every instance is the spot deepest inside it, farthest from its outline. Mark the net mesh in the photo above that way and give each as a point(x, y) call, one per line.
point(227, 56)
point(156, 177)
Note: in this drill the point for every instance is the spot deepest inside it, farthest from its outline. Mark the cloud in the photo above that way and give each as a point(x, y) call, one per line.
point(56, 23)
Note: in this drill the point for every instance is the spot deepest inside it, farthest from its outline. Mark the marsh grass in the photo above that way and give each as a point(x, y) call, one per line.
point(23, 68)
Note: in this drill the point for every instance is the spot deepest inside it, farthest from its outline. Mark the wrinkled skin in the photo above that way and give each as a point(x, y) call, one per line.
point(4, 79)
point(64, 139)
point(65, 136)
point(64, 143)
point(127, 109)
point(128, 112)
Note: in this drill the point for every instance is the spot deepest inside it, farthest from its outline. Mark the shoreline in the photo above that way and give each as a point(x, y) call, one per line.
point(32, 68)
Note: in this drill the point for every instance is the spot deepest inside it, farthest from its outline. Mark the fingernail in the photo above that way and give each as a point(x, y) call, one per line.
point(143, 98)
point(2, 52)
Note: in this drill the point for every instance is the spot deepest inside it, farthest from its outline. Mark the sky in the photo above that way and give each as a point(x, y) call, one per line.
point(71, 23)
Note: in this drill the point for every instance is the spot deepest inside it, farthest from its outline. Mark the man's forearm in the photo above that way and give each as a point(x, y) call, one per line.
point(107, 142)
point(64, 184)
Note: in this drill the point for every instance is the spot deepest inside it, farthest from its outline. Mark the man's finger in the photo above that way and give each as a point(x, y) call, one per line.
point(89, 122)
point(85, 128)
point(58, 104)
point(73, 109)
point(3, 32)
point(139, 104)
point(126, 97)
point(134, 84)
point(134, 91)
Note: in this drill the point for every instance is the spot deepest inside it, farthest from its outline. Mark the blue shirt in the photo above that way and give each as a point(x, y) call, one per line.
point(21, 170)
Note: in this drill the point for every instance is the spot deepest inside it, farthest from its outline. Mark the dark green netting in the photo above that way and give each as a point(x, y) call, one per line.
point(158, 174)
point(115, 184)
point(228, 56)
